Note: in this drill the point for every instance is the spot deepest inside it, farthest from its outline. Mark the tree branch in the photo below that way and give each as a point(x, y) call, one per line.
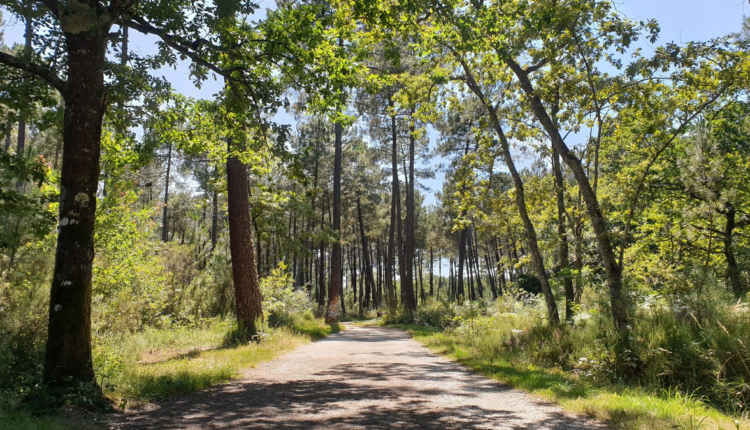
point(35, 69)
point(173, 42)
point(53, 6)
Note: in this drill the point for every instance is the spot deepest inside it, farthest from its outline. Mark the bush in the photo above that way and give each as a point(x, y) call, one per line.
point(434, 314)
point(280, 299)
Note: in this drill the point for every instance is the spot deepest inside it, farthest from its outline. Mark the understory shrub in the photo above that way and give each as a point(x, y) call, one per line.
point(701, 352)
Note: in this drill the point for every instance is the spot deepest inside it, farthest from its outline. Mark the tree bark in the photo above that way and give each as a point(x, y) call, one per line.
point(67, 361)
point(477, 262)
point(407, 282)
point(733, 271)
point(332, 312)
point(322, 261)
point(246, 286)
point(460, 291)
point(562, 241)
point(432, 261)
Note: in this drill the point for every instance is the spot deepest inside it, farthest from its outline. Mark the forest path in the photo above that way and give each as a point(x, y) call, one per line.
point(362, 377)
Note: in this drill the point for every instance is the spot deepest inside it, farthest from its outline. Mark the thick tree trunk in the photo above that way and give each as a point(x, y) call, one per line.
point(733, 271)
point(332, 312)
point(563, 238)
point(246, 287)
point(407, 283)
point(67, 361)
point(601, 230)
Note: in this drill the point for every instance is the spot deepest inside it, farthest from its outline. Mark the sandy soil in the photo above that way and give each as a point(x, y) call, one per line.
point(363, 377)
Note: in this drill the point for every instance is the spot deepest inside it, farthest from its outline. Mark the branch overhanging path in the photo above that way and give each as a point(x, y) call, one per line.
point(363, 377)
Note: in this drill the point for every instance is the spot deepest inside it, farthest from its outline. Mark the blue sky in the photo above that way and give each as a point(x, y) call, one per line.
point(681, 21)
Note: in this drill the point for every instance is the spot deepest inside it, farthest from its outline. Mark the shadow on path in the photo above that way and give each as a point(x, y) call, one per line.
point(359, 378)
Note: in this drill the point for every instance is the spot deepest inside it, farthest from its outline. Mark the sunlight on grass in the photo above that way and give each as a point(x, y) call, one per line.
point(157, 364)
point(622, 407)
point(145, 382)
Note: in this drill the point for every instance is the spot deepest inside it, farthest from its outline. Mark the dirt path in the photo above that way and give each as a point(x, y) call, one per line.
point(363, 377)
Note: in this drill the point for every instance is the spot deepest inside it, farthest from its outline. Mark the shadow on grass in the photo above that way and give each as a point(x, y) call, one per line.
point(198, 369)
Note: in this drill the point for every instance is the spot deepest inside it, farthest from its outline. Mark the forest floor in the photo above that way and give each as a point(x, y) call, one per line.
point(363, 377)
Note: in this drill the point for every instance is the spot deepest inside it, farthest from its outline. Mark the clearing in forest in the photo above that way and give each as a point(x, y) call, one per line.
point(363, 377)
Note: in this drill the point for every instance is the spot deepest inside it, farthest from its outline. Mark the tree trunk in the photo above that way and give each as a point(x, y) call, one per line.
point(67, 361)
point(440, 273)
point(215, 221)
point(477, 262)
point(370, 282)
point(601, 230)
point(322, 261)
point(531, 238)
point(395, 223)
point(335, 282)
point(733, 271)
point(8, 132)
point(407, 283)
point(246, 287)
point(21, 138)
point(460, 293)
point(432, 261)
point(578, 263)
point(490, 276)
point(164, 222)
point(563, 238)
point(421, 279)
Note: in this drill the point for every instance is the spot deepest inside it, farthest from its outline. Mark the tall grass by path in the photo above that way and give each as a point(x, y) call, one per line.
point(160, 364)
point(622, 406)
point(155, 364)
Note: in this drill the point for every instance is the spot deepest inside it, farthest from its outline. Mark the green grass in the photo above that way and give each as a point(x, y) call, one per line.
point(21, 420)
point(156, 364)
point(621, 406)
point(197, 369)
point(161, 364)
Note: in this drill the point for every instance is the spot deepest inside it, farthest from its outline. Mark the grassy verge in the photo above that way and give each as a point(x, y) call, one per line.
point(159, 363)
point(621, 406)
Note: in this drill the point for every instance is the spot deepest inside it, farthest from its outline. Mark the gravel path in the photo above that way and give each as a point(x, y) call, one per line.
point(363, 377)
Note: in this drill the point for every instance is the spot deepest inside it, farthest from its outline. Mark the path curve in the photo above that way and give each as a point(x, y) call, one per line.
point(363, 377)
